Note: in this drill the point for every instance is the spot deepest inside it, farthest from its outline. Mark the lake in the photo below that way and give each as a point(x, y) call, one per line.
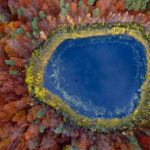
point(99, 76)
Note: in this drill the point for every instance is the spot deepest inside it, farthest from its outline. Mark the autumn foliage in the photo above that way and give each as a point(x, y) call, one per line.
point(25, 123)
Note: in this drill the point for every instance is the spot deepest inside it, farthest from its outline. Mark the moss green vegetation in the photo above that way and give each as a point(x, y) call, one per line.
point(10, 62)
point(28, 34)
point(87, 10)
point(65, 8)
point(96, 12)
point(20, 11)
point(35, 34)
point(34, 23)
point(3, 18)
point(59, 129)
point(42, 14)
point(42, 129)
point(93, 148)
point(40, 57)
point(91, 2)
point(136, 4)
point(80, 3)
point(40, 113)
point(134, 142)
point(147, 132)
point(13, 72)
point(19, 31)
point(74, 147)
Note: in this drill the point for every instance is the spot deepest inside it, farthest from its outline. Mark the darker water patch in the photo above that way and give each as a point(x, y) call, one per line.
point(98, 76)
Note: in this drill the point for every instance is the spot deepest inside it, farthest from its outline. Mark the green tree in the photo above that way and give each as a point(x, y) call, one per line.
point(136, 4)
point(96, 12)
point(91, 2)
point(65, 8)
point(42, 14)
point(20, 11)
point(10, 62)
point(13, 72)
point(80, 3)
point(40, 113)
point(59, 129)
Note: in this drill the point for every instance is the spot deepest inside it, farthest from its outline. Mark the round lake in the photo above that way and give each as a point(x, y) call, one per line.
point(99, 76)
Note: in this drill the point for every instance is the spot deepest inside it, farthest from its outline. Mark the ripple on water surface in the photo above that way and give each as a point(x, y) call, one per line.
point(98, 76)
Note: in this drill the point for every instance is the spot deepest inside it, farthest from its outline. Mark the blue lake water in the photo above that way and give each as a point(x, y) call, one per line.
point(99, 76)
